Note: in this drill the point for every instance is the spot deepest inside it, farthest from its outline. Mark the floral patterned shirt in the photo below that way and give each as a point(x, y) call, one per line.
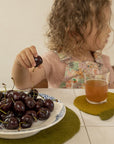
point(74, 73)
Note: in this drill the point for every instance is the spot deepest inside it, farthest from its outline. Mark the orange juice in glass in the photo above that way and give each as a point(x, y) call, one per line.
point(96, 88)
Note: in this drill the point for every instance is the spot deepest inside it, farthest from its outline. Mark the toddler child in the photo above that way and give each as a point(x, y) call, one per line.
point(78, 32)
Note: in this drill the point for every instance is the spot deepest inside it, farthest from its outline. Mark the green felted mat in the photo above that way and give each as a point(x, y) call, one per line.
point(95, 109)
point(57, 134)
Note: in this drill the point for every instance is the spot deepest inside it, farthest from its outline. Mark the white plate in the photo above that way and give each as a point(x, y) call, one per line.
point(56, 115)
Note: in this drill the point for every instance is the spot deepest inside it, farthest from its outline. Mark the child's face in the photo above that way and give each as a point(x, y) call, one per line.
point(98, 43)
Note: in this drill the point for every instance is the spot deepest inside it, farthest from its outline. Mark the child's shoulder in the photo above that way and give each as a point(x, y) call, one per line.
point(106, 59)
point(50, 55)
point(52, 59)
point(53, 66)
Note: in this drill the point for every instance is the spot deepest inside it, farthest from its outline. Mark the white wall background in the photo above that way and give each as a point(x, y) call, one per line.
point(22, 24)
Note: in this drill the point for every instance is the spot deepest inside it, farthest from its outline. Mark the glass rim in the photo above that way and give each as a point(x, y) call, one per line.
point(104, 73)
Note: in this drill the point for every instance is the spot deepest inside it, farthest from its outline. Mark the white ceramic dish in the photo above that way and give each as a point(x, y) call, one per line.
point(56, 116)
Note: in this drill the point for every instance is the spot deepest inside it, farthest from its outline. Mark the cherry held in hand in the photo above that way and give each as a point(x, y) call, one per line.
point(38, 61)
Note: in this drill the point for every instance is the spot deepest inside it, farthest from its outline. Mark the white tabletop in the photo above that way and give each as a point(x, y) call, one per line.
point(93, 130)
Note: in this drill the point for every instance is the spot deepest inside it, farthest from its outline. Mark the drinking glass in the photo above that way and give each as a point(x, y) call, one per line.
point(96, 87)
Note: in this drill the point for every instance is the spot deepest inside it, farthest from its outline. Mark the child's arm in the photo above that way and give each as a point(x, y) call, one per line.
point(106, 61)
point(22, 71)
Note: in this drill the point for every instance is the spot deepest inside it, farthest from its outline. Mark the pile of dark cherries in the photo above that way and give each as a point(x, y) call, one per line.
point(20, 109)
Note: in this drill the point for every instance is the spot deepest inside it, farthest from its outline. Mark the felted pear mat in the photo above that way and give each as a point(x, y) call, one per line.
point(96, 109)
point(57, 134)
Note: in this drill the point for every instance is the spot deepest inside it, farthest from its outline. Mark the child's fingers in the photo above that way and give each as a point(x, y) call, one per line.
point(33, 51)
point(21, 62)
point(25, 59)
point(30, 57)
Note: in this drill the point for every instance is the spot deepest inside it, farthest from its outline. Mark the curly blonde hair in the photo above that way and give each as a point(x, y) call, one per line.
point(70, 17)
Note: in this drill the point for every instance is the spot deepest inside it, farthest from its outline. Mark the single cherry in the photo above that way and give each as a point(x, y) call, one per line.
point(33, 93)
point(30, 102)
point(19, 108)
point(26, 121)
point(5, 116)
point(49, 104)
point(32, 113)
point(6, 104)
point(11, 123)
point(43, 113)
point(23, 96)
point(14, 94)
point(39, 104)
point(38, 60)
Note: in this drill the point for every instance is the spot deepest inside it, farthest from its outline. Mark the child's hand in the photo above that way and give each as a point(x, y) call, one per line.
point(26, 57)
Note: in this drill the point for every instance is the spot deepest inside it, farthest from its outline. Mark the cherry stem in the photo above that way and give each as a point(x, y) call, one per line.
point(55, 100)
point(12, 100)
point(4, 85)
point(35, 118)
point(3, 111)
point(40, 111)
point(33, 94)
point(3, 121)
point(33, 69)
point(13, 83)
point(20, 125)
